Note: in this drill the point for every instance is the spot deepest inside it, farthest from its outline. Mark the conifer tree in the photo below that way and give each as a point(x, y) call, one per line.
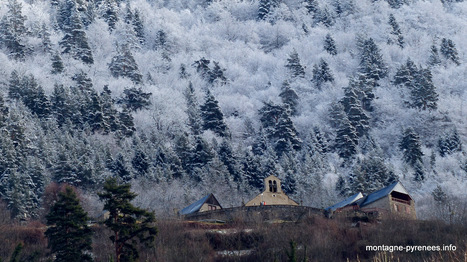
point(434, 58)
point(57, 64)
point(138, 26)
point(355, 113)
point(322, 73)
point(311, 6)
point(213, 118)
point(75, 41)
point(411, 148)
point(264, 9)
point(11, 40)
point(423, 92)
point(449, 143)
point(109, 13)
point(123, 64)
point(289, 98)
point(202, 67)
point(372, 65)
point(127, 126)
point(346, 139)
point(68, 233)
point(45, 37)
point(395, 32)
point(131, 226)
point(330, 45)
point(135, 99)
point(449, 51)
point(294, 66)
point(217, 74)
point(193, 111)
point(326, 18)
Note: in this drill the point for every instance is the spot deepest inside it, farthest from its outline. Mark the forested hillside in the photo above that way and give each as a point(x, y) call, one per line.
point(186, 97)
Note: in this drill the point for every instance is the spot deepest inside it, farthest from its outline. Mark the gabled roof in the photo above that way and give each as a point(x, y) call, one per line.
point(396, 186)
point(345, 202)
point(195, 207)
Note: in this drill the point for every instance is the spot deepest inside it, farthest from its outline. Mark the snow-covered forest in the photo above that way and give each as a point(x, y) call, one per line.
point(187, 97)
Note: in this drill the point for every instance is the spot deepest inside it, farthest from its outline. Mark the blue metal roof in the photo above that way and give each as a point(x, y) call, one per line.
point(195, 206)
point(377, 195)
point(345, 202)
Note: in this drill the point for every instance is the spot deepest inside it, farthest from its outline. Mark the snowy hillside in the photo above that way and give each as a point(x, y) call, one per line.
point(188, 97)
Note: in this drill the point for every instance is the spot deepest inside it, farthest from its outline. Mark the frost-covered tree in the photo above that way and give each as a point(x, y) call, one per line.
point(449, 143)
point(325, 17)
point(396, 3)
point(449, 51)
point(396, 33)
point(123, 64)
point(330, 45)
point(434, 58)
point(213, 118)
point(265, 7)
point(322, 73)
point(216, 75)
point(311, 6)
point(57, 64)
point(355, 113)
point(373, 174)
point(13, 30)
point(346, 139)
point(193, 111)
point(278, 126)
point(135, 99)
point(372, 65)
point(289, 97)
point(108, 9)
point(411, 147)
point(75, 41)
point(423, 93)
point(294, 66)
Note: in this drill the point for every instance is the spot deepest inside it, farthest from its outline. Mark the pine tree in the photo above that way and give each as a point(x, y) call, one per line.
point(213, 119)
point(75, 41)
point(123, 64)
point(372, 65)
point(396, 3)
point(449, 51)
point(265, 7)
point(68, 234)
point(411, 148)
point(135, 99)
point(229, 159)
point(346, 139)
point(322, 73)
point(138, 26)
point(57, 64)
point(289, 98)
point(355, 113)
point(140, 163)
point(127, 126)
point(108, 109)
point(193, 111)
point(330, 45)
point(373, 174)
point(11, 40)
point(423, 92)
point(325, 17)
point(294, 66)
point(202, 67)
point(434, 58)
point(311, 6)
point(395, 32)
point(217, 74)
point(278, 126)
point(121, 169)
point(45, 37)
point(109, 13)
point(449, 143)
point(131, 226)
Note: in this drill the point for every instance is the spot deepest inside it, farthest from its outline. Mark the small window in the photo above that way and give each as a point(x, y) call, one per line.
point(270, 186)
point(395, 208)
point(273, 195)
point(274, 186)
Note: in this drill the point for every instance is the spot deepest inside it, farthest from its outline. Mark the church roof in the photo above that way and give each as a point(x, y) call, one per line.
point(345, 202)
point(196, 206)
point(396, 186)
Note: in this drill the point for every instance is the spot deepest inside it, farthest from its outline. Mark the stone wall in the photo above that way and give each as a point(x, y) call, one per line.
point(258, 213)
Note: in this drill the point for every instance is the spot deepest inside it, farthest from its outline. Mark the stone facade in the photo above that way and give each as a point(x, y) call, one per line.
point(272, 194)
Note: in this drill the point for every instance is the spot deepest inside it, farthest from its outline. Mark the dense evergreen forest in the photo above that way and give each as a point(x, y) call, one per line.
point(182, 98)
